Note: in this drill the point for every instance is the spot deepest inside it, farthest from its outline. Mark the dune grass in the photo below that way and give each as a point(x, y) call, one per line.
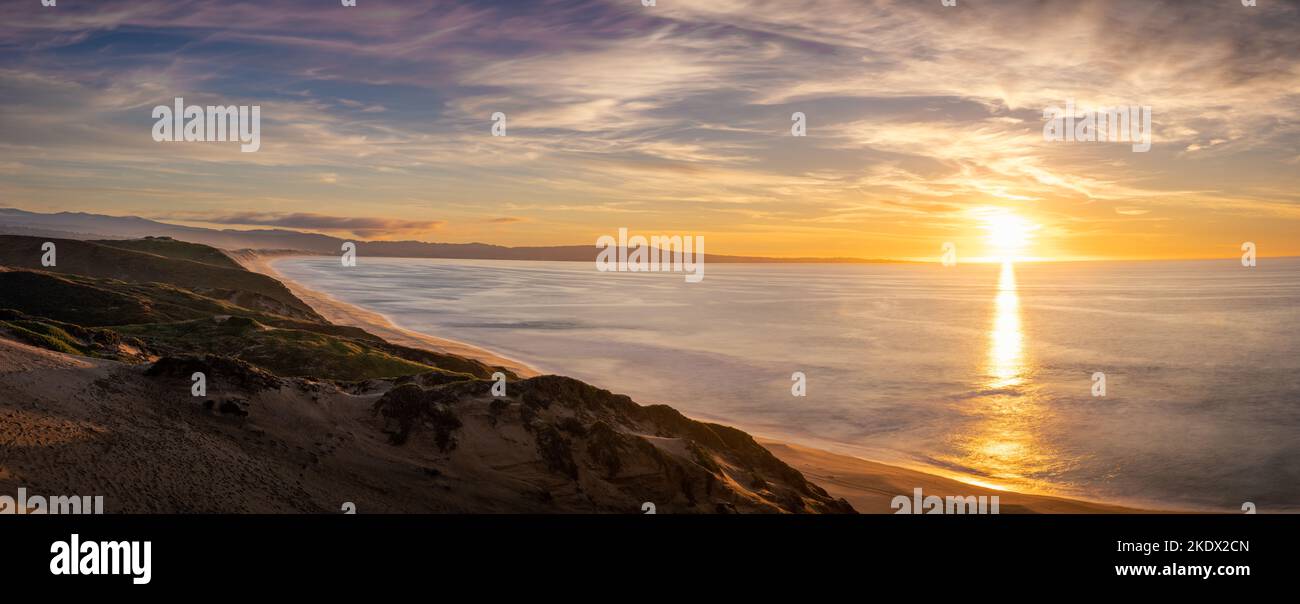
point(284, 352)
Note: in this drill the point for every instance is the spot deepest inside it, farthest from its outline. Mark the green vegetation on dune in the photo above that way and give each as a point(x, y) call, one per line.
point(171, 248)
point(111, 303)
point(245, 288)
point(42, 340)
point(71, 338)
point(107, 302)
point(284, 352)
point(45, 329)
point(101, 302)
point(449, 362)
point(183, 298)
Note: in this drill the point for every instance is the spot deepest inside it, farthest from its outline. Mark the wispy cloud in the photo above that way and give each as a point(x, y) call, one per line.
point(676, 115)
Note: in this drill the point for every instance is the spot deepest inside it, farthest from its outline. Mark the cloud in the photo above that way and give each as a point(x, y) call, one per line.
point(360, 226)
point(507, 220)
point(677, 114)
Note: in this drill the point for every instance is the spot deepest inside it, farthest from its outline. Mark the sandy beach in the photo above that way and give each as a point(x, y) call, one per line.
point(869, 486)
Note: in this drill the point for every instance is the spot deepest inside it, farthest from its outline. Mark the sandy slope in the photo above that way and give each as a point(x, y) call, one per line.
point(75, 426)
point(134, 434)
point(868, 485)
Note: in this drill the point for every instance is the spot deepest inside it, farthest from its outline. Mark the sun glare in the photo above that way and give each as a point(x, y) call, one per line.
point(1007, 233)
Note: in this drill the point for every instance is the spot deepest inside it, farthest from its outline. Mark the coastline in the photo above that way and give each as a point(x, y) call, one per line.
point(342, 313)
point(869, 486)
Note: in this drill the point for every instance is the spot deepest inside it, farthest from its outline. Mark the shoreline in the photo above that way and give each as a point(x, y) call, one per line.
point(342, 313)
point(868, 485)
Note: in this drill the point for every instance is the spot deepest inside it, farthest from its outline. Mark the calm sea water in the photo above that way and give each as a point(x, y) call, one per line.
point(980, 371)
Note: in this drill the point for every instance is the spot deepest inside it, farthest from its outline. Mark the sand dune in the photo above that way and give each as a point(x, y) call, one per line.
point(433, 444)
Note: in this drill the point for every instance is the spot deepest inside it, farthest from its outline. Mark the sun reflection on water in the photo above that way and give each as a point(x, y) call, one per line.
point(1002, 442)
point(1005, 349)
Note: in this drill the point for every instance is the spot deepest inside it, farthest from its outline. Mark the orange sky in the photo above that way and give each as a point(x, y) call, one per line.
point(922, 121)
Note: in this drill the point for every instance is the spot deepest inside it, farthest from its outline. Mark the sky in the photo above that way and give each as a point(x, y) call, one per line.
point(924, 123)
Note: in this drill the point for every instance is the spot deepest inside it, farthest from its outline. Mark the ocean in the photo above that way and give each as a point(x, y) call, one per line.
point(983, 372)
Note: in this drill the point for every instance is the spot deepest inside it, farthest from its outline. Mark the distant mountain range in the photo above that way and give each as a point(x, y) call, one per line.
point(80, 225)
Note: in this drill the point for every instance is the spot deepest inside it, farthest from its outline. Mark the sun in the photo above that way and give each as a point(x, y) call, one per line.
point(1007, 233)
